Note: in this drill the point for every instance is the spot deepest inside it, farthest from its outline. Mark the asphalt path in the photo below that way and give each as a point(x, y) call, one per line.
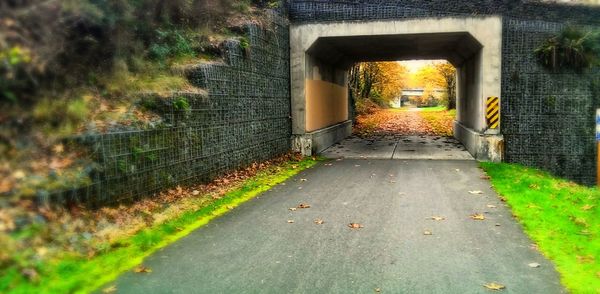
point(256, 248)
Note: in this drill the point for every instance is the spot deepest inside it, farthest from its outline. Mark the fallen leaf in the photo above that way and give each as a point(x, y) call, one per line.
point(319, 221)
point(485, 177)
point(585, 259)
point(290, 221)
point(355, 226)
point(229, 207)
point(458, 169)
point(58, 148)
point(142, 269)
point(587, 207)
point(494, 286)
point(534, 247)
point(502, 198)
point(534, 264)
point(377, 290)
point(303, 180)
point(292, 208)
point(476, 192)
point(304, 205)
point(427, 233)
point(491, 206)
point(195, 192)
point(18, 174)
point(477, 216)
point(437, 218)
point(111, 289)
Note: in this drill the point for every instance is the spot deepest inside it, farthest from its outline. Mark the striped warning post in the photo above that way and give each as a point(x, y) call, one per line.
point(492, 114)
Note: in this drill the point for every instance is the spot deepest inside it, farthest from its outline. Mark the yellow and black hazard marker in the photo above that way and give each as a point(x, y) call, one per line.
point(492, 114)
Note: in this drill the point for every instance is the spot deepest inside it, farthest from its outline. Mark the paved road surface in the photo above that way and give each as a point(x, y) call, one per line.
point(399, 147)
point(253, 249)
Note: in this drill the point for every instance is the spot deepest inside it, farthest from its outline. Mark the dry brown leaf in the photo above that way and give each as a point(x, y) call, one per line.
point(587, 207)
point(585, 259)
point(142, 269)
point(58, 148)
point(494, 286)
point(485, 177)
point(110, 289)
point(476, 192)
point(355, 226)
point(477, 216)
point(427, 233)
point(304, 205)
point(319, 221)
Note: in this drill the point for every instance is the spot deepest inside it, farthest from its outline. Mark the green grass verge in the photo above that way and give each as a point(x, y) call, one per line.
point(432, 108)
point(562, 218)
point(77, 274)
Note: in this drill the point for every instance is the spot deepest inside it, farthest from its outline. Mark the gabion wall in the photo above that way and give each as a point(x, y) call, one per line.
point(243, 117)
point(547, 117)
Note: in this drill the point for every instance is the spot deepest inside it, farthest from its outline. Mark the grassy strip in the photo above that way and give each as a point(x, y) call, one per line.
point(563, 219)
point(440, 120)
point(77, 274)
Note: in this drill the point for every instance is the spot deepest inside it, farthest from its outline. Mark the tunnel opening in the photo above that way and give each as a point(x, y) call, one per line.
point(403, 110)
point(322, 101)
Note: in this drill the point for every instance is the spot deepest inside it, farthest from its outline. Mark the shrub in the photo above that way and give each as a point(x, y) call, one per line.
point(571, 49)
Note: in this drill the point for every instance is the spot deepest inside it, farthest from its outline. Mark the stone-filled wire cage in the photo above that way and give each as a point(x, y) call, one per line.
point(241, 116)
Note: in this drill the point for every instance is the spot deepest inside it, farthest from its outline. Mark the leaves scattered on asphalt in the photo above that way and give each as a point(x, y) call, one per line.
point(142, 269)
point(475, 192)
point(437, 218)
point(304, 205)
point(494, 286)
point(319, 221)
point(355, 226)
point(477, 216)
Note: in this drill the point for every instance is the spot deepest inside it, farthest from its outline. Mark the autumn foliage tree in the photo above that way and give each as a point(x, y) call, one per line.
point(376, 83)
point(432, 76)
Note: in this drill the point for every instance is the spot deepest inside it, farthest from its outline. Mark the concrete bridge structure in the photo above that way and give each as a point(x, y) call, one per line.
point(546, 117)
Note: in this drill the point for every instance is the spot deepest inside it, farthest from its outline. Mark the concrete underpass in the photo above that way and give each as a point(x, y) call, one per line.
point(322, 53)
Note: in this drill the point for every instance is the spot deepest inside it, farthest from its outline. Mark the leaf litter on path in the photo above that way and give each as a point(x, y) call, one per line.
point(355, 226)
point(494, 286)
point(477, 216)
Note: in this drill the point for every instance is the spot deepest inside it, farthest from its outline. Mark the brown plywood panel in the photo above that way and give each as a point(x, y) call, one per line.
point(326, 104)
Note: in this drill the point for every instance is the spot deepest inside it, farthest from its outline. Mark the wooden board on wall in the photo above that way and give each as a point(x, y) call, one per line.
point(326, 104)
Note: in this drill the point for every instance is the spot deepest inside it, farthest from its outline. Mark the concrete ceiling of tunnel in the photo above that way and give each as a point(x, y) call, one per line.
point(346, 50)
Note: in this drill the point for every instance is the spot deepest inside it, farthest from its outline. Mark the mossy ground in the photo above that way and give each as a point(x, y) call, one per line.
point(561, 217)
